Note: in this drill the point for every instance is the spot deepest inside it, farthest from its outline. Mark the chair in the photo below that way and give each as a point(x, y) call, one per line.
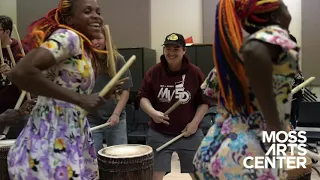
point(309, 120)
point(208, 119)
point(140, 126)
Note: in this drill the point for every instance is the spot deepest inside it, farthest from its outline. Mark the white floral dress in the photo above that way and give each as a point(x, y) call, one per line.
point(51, 145)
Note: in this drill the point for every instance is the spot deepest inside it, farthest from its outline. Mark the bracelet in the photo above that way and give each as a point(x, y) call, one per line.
point(116, 114)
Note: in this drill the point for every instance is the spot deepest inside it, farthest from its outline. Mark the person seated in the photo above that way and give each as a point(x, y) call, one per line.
point(9, 92)
point(14, 116)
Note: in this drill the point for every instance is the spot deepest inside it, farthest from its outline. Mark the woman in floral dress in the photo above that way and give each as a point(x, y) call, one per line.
point(55, 144)
point(252, 83)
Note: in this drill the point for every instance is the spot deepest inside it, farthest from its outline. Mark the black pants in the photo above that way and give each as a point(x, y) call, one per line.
point(295, 110)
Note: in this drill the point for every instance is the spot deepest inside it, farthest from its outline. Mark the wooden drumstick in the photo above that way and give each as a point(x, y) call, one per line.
point(116, 78)
point(113, 82)
point(170, 142)
point(11, 55)
point(110, 58)
point(23, 93)
point(100, 126)
point(309, 153)
point(21, 49)
point(173, 107)
point(17, 106)
point(2, 59)
point(19, 40)
point(302, 85)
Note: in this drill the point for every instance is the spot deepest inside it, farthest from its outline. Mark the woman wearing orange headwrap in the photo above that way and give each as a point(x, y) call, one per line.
point(254, 79)
point(60, 69)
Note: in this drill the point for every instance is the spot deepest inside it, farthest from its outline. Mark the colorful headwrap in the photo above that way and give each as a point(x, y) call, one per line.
point(230, 16)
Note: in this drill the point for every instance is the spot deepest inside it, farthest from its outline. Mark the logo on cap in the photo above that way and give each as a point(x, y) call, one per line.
point(173, 37)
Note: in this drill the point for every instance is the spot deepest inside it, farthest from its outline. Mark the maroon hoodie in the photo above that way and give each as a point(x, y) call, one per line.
point(164, 87)
point(9, 93)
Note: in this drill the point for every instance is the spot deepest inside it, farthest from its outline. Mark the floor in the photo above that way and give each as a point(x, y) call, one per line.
point(176, 175)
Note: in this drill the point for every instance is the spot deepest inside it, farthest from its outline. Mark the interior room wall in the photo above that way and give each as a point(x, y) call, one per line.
point(129, 20)
point(180, 16)
point(9, 8)
point(311, 39)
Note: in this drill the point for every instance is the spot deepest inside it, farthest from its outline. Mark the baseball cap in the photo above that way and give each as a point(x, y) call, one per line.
point(175, 39)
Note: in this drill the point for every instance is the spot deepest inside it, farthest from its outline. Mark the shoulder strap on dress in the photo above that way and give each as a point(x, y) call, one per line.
point(274, 35)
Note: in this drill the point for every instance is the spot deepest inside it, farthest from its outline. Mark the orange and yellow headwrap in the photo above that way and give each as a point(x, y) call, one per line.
point(39, 30)
point(250, 11)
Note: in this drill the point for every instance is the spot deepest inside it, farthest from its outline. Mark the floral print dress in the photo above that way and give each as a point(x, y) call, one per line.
point(52, 145)
point(234, 137)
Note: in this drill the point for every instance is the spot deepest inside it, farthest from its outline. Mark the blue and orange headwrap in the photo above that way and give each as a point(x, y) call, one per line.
point(230, 16)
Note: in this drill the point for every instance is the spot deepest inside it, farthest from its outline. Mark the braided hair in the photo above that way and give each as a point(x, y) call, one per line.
point(252, 15)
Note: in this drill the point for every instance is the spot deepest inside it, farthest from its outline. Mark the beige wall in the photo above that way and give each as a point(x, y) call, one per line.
point(9, 8)
point(180, 16)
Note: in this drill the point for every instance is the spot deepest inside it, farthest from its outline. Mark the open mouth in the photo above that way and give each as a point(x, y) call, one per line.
point(95, 25)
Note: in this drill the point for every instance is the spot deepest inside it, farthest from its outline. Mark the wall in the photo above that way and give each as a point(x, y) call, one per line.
point(209, 9)
point(294, 7)
point(9, 8)
point(31, 10)
point(129, 24)
point(180, 16)
point(310, 39)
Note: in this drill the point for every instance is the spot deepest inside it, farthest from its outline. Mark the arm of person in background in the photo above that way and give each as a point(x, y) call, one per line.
point(258, 65)
point(114, 119)
point(13, 116)
point(202, 109)
point(146, 96)
point(27, 73)
point(210, 87)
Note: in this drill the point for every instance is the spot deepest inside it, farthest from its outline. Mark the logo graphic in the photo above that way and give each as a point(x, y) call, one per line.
point(173, 37)
point(280, 155)
point(166, 94)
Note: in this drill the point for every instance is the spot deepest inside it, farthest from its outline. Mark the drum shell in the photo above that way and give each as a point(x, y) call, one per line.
point(133, 168)
point(301, 173)
point(4, 175)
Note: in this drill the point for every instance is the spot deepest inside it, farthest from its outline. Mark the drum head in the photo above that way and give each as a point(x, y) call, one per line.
point(2, 137)
point(125, 151)
point(7, 143)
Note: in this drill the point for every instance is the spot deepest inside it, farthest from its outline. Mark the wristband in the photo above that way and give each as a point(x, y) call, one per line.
point(116, 114)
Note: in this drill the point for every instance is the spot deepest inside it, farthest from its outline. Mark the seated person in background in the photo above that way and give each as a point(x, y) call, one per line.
point(174, 78)
point(9, 93)
point(113, 111)
point(13, 116)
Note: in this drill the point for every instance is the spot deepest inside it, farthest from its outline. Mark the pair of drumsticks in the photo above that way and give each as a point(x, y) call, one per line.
point(116, 77)
point(23, 93)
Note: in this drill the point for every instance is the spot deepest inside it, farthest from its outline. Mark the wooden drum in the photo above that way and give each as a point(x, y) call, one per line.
point(5, 146)
point(127, 162)
point(300, 173)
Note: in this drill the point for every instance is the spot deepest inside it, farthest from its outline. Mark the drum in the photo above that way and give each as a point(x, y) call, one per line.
point(129, 162)
point(300, 173)
point(4, 149)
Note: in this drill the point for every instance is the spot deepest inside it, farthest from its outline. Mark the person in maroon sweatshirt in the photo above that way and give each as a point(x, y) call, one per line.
point(174, 78)
point(9, 93)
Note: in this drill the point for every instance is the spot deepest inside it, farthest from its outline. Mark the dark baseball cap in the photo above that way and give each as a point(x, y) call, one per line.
point(175, 39)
